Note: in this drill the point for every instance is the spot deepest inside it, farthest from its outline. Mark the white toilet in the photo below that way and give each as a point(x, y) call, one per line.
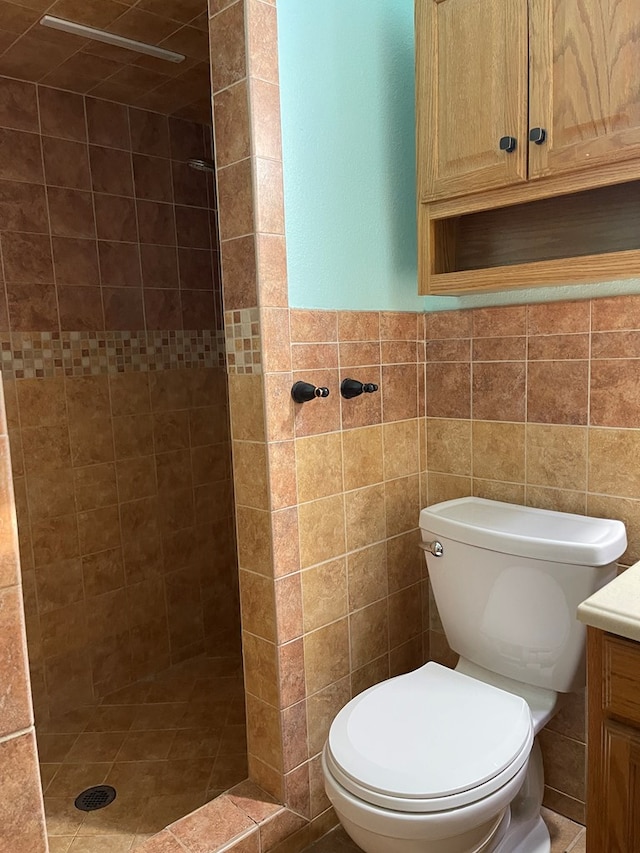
point(444, 761)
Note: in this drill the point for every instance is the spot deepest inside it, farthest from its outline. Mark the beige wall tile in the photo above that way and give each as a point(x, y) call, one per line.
point(324, 594)
point(556, 456)
point(257, 600)
point(288, 598)
point(297, 790)
point(286, 541)
point(449, 446)
point(612, 462)
point(367, 575)
point(405, 615)
point(446, 487)
point(264, 735)
point(291, 669)
point(498, 451)
point(362, 449)
point(322, 708)
point(254, 539)
point(262, 25)
point(369, 633)
point(272, 255)
point(556, 499)
point(260, 668)
point(283, 483)
point(401, 449)
point(326, 655)
point(322, 535)
point(407, 657)
point(405, 561)
point(371, 673)
point(279, 406)
point(269, 199)
point(319, 466)
point(402, 504)
point(250, 474)
point(494, 490)
point(246, 406)
point(365, 516)
point(294, 736)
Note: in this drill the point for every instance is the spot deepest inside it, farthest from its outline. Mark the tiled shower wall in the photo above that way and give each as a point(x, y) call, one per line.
point(111, 330)
point(540, 405)
point(21, 807)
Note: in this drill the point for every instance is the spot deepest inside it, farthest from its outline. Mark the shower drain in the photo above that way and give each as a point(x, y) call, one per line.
point(95, 798)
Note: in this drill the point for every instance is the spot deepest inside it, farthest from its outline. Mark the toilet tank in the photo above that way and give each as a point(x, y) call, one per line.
point(509, 580)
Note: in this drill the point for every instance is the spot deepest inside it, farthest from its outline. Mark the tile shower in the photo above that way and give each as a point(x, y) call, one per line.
point(116, 398)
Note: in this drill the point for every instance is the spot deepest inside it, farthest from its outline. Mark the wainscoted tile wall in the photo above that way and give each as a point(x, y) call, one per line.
point(22, 825)
point(536, 405)
point(539, 405)
point(113, 362)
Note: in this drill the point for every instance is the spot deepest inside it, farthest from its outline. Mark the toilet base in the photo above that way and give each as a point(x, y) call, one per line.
point(531, 838)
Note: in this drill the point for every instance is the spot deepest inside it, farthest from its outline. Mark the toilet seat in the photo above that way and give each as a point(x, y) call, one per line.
point(428, 741)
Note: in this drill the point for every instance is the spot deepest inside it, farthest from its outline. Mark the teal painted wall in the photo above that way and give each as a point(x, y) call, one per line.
point(347, 91)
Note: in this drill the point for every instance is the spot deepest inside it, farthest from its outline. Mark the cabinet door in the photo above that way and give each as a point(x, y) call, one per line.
point(585, 56)
point(620, 805)
point(472, 69)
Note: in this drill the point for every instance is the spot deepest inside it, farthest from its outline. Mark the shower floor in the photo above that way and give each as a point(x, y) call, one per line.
point(167, 746)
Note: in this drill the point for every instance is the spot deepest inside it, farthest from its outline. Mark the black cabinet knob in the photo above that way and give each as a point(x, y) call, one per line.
point(350, 388)
point(303, 392)
point(537, 135)
point(508, 144)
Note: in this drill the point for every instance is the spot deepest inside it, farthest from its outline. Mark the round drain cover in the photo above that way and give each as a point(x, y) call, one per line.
point(95, 798)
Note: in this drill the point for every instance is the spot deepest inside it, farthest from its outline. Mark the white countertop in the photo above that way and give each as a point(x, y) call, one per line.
point(616, 607)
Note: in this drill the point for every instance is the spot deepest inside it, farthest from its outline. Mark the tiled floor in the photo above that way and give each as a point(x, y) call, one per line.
point(566, 837)
point(167, 746)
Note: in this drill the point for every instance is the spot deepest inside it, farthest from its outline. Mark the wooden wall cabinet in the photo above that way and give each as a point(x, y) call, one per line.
point(613, 785)
point(556, 82)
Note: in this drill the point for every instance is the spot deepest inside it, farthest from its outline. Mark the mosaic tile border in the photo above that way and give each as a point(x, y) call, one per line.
point(242, 331)
point(34, 355)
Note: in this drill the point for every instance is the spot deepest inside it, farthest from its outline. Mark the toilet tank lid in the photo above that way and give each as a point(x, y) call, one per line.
point(559, 537)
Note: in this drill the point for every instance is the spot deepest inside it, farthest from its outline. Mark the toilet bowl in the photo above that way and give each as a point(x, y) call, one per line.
point(454, 756)
point(446, 761)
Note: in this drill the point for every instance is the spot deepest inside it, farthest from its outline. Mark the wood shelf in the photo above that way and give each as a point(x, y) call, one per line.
point(593, 235)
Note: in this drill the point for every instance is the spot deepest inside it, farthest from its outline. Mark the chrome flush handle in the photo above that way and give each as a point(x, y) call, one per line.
point(434, 548)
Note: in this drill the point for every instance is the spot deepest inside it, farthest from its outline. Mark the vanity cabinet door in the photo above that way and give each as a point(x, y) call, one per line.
point(584, 90)
point(620, 829)
point(472, 68)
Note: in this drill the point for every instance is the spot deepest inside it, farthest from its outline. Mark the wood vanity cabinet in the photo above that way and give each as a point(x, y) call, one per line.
point(528, 116)
point(613, 784)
